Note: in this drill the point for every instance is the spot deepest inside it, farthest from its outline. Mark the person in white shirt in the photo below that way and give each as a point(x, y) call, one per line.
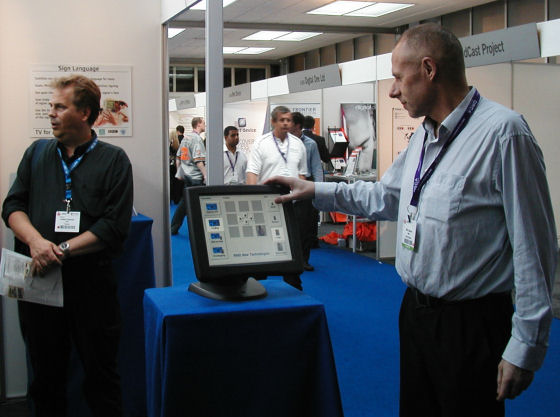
point(235, 161)
point(279, 153)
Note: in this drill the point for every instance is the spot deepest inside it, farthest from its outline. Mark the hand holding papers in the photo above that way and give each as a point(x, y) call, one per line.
point(16, 281)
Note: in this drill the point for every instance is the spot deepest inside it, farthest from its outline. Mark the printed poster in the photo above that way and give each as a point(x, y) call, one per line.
point(358, 122)
point(115, 83)
point(403, 128)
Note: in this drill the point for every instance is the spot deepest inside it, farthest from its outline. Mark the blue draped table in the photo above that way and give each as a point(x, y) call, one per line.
point(270, 357)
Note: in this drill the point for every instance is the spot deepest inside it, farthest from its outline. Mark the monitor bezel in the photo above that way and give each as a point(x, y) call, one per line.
point(207, 273)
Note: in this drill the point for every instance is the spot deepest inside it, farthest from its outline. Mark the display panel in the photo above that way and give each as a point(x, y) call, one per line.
point(244, 229)
point(237, 232)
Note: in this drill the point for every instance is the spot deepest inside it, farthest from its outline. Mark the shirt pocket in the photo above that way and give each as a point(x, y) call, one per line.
point(442, 197)
point(93, 199)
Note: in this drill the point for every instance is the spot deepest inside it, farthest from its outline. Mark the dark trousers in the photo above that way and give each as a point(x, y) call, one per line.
point(181, 210)
point(91, 320)
point(305, 219)
point(450, 355)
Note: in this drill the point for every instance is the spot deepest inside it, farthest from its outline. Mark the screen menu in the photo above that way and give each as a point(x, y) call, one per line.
point(244, 229)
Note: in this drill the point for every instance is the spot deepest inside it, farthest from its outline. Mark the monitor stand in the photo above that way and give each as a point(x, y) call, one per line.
point(234, 290)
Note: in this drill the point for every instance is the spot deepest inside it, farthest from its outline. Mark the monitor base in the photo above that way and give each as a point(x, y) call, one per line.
point(240, 291)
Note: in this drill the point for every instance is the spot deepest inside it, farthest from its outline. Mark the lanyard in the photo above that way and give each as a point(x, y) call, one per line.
point(68, 170)
point(284, 155)
point(420, 182)
point(232, 164)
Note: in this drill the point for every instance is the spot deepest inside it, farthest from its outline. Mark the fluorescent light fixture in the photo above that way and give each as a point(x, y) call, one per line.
point(339, 8)
point(233, 49)
point(201, 5)
point(298, 36)
point(171, 32)
point(253, 51)
point(265, 35)
point(379, 9)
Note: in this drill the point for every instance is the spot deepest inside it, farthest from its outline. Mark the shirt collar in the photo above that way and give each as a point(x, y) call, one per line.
point(79, 151)
point(451, 120)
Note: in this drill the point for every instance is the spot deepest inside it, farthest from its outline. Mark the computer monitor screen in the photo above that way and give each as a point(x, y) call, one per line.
point(238, 231)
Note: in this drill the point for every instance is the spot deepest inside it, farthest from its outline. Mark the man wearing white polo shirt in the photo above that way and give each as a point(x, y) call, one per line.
point(279, 153)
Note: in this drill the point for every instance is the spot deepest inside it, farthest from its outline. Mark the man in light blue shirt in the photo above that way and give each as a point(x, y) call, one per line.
point(309, 216)
point(475, 220)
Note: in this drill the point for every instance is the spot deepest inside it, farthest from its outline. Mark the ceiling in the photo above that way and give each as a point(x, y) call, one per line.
point(245, 17)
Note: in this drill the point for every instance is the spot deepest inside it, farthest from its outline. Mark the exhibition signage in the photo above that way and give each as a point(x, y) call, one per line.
point(314, 79)
point(115, 83)
point(186, 101)
point(512, 44)
point(238, 93)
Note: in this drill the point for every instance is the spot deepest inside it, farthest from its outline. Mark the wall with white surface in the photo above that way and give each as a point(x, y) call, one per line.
point(127, 32)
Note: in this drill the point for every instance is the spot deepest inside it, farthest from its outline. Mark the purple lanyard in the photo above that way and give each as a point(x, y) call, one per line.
point(232, 164)
point(420, 182)
point(284, 155)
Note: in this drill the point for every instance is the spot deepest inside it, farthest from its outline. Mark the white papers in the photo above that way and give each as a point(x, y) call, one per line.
point(16, 281)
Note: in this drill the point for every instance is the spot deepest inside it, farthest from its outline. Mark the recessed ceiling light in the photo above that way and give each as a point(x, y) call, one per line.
point(339, 8)
point(298, 36)
point(201, 5)
point(174, 32)
point(233, 49)
point(253, 51)
point(264, 35)
point(379, 9)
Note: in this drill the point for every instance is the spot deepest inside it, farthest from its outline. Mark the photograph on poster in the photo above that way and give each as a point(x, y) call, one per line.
point(115, 83)
point(358, 121)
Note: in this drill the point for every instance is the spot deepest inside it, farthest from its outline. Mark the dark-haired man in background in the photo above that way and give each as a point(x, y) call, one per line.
point(474, 220)
point(235, 161)
point(70, 207)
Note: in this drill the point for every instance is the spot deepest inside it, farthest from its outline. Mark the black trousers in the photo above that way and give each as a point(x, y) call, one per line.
point(450, 355)
point(91, 320)
point(181, 210)
point(305, 220)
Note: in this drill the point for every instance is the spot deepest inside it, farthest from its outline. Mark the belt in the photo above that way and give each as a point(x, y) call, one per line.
point(423, 300)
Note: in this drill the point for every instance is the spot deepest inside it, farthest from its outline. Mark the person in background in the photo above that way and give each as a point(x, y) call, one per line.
point(474, 220)
point(235, 161)
point(70, 207)
point(309, 216)
point(279, 153)
point(190, 158)
point(175, 184)
point(308, 125)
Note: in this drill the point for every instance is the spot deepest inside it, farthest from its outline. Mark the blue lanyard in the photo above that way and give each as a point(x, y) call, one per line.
point(232, 165)
point(284, 155)
point(420, 182)
point(68, 170)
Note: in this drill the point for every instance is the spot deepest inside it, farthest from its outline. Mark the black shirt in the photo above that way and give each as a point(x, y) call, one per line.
point(102, 191)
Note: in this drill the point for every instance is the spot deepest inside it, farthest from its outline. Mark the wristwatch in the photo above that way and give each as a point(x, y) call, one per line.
point(65, 248)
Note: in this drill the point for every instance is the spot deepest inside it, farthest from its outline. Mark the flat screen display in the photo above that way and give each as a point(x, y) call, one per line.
point(244, 229)
point(239, 231)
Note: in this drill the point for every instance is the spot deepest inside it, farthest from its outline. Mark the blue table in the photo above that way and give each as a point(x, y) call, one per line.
point(269, 357)
point(135, 271)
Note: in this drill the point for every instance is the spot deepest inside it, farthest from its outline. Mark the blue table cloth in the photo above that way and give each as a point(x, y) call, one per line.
point(269, 357)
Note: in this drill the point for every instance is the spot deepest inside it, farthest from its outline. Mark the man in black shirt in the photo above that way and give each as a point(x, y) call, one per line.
point(70, 207)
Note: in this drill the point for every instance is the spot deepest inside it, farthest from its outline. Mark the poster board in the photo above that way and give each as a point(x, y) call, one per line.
point(114, 81)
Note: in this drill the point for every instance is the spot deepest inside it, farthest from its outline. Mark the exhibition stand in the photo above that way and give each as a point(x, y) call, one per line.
point(268, 357)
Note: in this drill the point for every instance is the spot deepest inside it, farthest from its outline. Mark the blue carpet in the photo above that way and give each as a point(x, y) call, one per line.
point(362, 299)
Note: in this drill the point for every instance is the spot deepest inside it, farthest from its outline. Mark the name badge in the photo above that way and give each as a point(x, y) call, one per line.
point(409, 234)
point(67, 222)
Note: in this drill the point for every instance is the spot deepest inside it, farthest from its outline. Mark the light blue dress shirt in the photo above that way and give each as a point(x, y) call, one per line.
point(313, 158)
point(484, 224)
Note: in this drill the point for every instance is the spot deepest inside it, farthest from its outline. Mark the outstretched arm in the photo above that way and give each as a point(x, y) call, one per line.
point(301, 189)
